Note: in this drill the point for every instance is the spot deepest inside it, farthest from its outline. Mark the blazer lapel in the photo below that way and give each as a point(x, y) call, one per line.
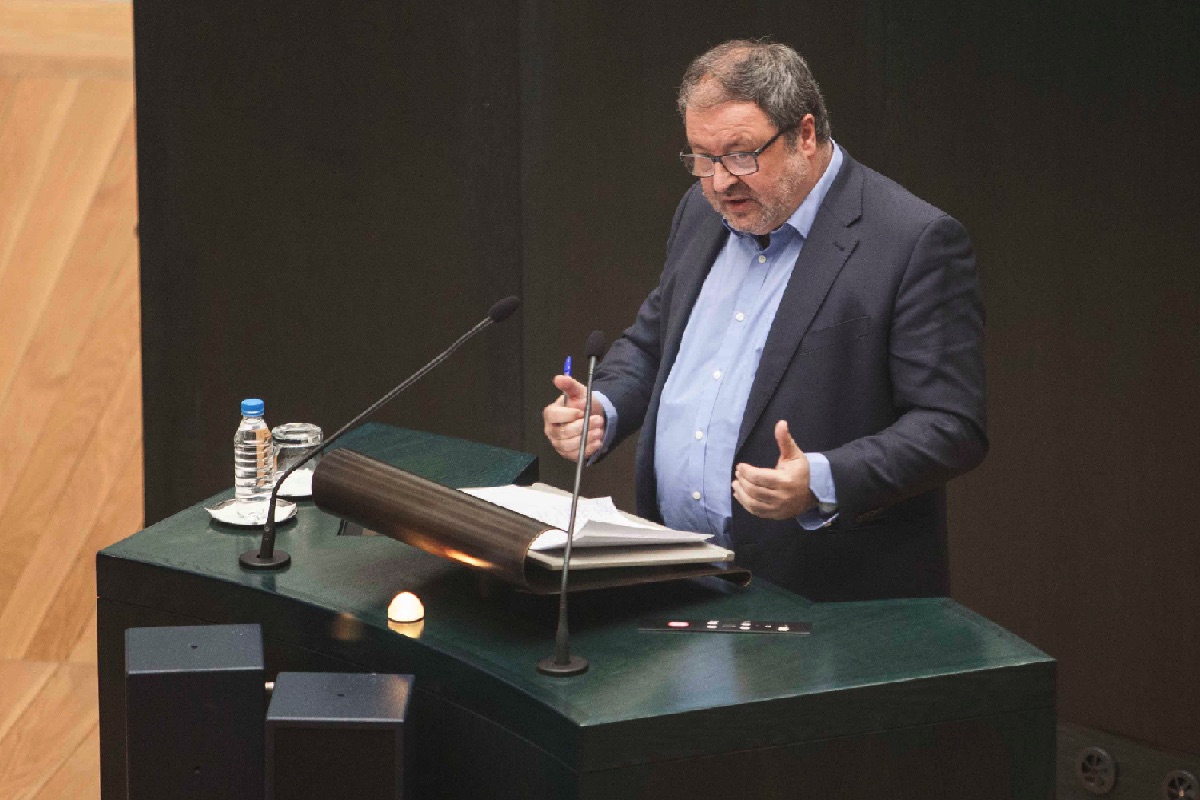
point(829, 244)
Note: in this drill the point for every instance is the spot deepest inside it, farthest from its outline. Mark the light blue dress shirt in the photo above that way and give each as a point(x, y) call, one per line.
point(705, 395)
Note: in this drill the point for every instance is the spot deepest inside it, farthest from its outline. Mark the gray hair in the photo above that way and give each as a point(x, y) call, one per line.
point(771, 75)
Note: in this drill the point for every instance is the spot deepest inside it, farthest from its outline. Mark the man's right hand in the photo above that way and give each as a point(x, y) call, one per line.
point(563, 421)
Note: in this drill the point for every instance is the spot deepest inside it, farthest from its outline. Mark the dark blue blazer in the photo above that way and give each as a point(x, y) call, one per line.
point(875, 358)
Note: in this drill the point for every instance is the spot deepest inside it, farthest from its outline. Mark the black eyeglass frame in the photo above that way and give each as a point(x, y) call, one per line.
point(694, 158)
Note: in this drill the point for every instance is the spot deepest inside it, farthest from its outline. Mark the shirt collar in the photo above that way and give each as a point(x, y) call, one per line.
point(803, 217)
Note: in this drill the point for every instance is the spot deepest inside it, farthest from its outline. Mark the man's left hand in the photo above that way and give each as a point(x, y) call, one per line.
point(778, 493)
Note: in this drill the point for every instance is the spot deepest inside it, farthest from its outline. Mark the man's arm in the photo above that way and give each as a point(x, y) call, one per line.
point(937, 374)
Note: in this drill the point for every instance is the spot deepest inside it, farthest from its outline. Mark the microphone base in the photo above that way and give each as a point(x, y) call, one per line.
point(576, 665)
point(251, 560)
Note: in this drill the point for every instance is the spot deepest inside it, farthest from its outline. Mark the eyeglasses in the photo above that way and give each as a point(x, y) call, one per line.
point(739, 164)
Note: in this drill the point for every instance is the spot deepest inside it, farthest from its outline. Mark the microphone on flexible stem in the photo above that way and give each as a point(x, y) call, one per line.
point(562, 664)
point(266, 556)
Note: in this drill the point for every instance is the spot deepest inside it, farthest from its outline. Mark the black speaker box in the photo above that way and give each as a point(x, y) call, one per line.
point(194, 712)
point(337, 735)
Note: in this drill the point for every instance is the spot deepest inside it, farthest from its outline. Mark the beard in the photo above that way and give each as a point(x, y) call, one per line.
point(760, 212)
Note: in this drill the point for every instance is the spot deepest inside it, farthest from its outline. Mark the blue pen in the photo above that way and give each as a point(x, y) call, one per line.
point(566, 371)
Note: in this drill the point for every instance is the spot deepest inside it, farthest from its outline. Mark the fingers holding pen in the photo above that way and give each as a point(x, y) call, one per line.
point(564, 427)
point(568, 444)
point(562, 420)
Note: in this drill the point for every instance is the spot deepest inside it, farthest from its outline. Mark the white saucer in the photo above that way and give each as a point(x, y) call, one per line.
point(298, 484)
point(231, 512)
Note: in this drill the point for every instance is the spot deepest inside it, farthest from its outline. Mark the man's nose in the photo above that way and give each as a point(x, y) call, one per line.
point(722, 179)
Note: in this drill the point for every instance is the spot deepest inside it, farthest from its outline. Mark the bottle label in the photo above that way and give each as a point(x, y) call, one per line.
point(265, 460)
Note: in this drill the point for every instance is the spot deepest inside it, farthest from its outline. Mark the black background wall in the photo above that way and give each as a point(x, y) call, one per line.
point(330, 193)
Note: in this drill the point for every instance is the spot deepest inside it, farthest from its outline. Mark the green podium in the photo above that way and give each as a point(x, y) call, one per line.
point(897, 699)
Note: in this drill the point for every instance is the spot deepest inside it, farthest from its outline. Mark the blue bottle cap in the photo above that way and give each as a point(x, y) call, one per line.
point(252, 408)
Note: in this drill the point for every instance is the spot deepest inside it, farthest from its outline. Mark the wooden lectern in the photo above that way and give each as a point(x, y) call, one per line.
point(896, 699)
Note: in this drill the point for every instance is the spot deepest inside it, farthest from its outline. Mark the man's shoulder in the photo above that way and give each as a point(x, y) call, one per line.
point(884, 199)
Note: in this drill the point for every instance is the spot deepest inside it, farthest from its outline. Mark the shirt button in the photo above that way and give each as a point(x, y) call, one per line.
point(762, 259)
point(699, 434)
point(740, 317)
point(716, 374)
point(695, 495)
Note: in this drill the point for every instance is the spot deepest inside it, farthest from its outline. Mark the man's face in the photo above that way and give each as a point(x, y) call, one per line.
point(761, 202)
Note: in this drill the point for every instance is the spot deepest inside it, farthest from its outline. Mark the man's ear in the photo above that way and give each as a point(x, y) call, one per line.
point(806, 142)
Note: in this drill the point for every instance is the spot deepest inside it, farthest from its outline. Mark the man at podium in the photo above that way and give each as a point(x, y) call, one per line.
point(808, 373)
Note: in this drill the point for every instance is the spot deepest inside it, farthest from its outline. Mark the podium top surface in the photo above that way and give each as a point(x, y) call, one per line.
point(866, 666)
point(456, 463)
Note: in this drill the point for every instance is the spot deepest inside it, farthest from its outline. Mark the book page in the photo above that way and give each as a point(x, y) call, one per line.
point(602, 558)
point(598, 522)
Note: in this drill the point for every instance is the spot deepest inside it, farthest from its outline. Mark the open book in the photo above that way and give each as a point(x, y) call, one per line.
point(604, 535)
point(497, 542)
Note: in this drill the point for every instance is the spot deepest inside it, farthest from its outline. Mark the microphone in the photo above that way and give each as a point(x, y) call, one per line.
point(503, 309)
point(266, 557)
point(562, 664)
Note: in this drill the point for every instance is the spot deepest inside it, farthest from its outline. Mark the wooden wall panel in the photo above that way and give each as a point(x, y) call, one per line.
point(70, 405)
point(20, 683)
point(61, 202)
point(70, 373)
point(51, 728)
point(31, 116)
point(86, 311)
point(65, 37)
point(66, 628)
point(76, 777)
point(66, 530)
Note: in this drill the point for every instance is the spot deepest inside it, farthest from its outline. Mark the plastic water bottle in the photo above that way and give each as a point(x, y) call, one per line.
point(253, 459)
